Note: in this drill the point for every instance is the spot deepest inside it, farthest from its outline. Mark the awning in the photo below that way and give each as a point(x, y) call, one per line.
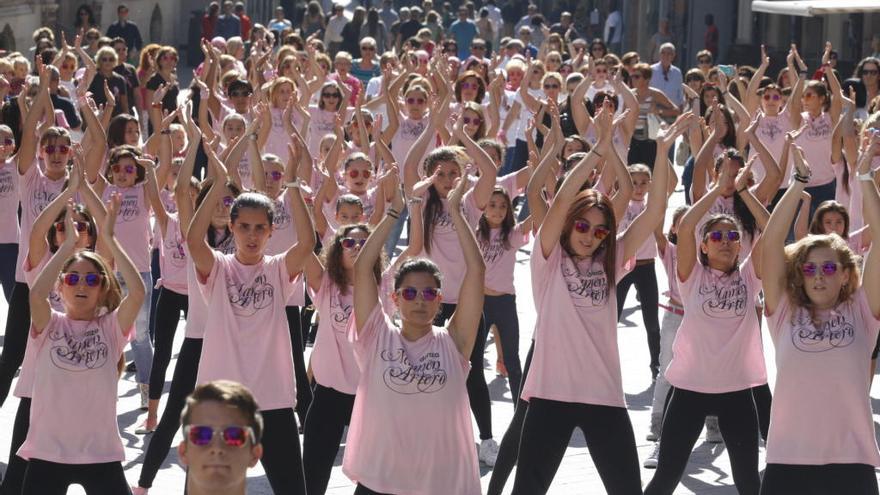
point(809, 8)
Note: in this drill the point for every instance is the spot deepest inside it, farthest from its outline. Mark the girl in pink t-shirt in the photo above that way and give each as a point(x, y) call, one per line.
point(442, 167)
point(500, 238)
point(717, 354)
point(575, 377)
point(335, 369)
point(76, 365)
point(47, 234)
point(8, 211)
point(125, 174)
point(823, 320)
point(219, 237)
point(412, 383)
point(247, 338)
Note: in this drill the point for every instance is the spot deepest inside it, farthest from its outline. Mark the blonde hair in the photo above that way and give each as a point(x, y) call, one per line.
point(106, 51)
point(796, 255)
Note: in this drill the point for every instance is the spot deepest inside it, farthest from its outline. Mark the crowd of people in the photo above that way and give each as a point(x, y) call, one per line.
point(364, 185)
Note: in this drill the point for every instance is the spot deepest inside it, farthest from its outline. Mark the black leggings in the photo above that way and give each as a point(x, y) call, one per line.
point(644, 277)
point(501, 312)
point(168, 309)
point(18, 322)
point(52, 478)
point(362, 490)
point(547, 430)
point(8, 256)
point(763, 400)
point(683, 420)
point(154, 294)
point(182, 384)
point(12, 481)
point(303, 391)
point(508, 451)
point(789, 479)
point(328, 416)
point(478, 390)
point(282, 459)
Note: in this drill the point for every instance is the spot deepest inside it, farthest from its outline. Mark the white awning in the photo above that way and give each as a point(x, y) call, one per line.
point(809, 8)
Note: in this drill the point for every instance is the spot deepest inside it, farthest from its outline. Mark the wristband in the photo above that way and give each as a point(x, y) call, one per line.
point(393, 214)
point(867, 176)
point(801, 178)
point(293, 185)
point(415, 200)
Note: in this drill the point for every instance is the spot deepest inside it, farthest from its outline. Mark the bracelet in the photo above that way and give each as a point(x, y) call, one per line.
point(740, 191)
point(252, 136)
point(156, 105)
point(415, 200)
point(393, 214)
point(293, 185)
point(596, 152)
point(867, 176)
point(801, 178)
point(165, 131)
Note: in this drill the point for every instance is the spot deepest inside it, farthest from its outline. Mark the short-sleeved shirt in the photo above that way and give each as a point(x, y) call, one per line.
point(410, 429)
point(36, 191)
point(73, 409)
point(169, 102)
point(718, 348)
point(118, 86)
point(576, 358)
point(246, 335)
point(500, 260)
point(821, 410)
point(9, 233)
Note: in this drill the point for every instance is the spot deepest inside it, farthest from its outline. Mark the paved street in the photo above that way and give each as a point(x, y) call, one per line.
point(707, 473)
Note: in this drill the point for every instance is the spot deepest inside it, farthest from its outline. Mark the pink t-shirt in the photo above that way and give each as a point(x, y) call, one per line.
point(278, 137)
point(8, 202)
point(508, 182)
point(500, 261)
point(717, 348)
point(333, 360)
point(283, 238)
point(446, 250)
point(648, 249)
point(35, 191)
point(133, 223)
point(173, 257)
point(670, 258)
point(322, 122)
point(771, 131)
point(575, 362)
point(816, 142)
point(821, 410)
point(73, 412)
point(25, 384)
point(246, 337)
point(410, 428)
point(406, 136)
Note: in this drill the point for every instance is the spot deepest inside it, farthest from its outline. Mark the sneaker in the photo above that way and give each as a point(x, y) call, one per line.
point(713, 433)
point(652, 437)
point(144, 390)
point(651, 460)
point(143, 429)
point(488, 452)
point(131, 368)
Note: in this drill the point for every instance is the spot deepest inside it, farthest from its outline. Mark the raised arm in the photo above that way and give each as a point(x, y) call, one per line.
point(466, 318)
point(305, 231)
point(37, 244)
point(185, 207)
point(652, 216)
point(773, 276)
point(366, 292)
point(554, 221)
point(27, 150)
point(687, 246)
point(766, 190)
point(414, 156)
point(752, 102)
point(620, 199)
point(579, 113)
point(836, 92)
point(486, 183)
point(703, 160)
point(196, 237)
point(41, 311)
point(871, 209)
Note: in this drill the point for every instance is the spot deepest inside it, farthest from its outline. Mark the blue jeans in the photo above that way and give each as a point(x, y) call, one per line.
point(141, 345)
point(396, 232)
point(820, 194)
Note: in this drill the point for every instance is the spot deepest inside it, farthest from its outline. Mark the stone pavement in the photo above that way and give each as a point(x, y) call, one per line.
point(707, 473)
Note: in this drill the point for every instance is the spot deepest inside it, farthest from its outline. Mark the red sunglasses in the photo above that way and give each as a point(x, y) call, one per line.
point(410, 293)
point(810, 269)
point(233, 436)
point(599, 232)
point(355, 173)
